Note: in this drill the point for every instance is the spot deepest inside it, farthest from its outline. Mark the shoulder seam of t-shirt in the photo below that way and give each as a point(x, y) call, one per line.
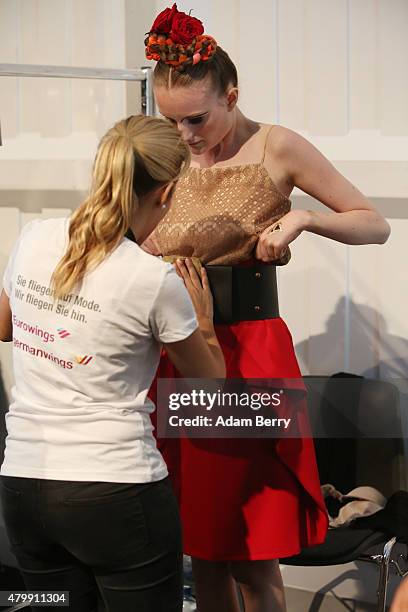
point(172, 275)
point(129, 244)
point(166, 270)
point(163, 266)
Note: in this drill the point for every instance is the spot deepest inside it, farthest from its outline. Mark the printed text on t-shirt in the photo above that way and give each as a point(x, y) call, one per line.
point(63, 307)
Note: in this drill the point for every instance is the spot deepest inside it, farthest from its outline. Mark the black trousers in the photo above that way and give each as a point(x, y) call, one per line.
point(117, 543)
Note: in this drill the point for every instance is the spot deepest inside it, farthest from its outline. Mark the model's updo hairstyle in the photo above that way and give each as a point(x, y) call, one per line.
point(136, 155)
point(219, 68)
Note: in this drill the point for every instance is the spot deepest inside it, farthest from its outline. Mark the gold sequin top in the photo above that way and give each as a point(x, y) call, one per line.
point(217, 214)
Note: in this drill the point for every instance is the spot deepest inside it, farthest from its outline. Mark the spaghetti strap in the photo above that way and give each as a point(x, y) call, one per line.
point(266, 142)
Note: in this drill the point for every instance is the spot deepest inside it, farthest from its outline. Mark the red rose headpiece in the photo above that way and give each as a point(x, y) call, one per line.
point(178, 39)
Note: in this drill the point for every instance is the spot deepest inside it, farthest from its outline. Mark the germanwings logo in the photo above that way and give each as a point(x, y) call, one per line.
point(83, 359)
point(63, 333)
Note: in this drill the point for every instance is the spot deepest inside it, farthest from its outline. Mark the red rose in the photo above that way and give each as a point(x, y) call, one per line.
point(184, 28)
point(164, 20)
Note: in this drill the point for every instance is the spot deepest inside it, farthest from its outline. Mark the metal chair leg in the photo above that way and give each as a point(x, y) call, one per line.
point(384, 562)
point(18, 607)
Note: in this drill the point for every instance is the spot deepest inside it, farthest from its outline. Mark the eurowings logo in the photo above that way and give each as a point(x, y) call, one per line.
point(63, 333)
point(83, 359)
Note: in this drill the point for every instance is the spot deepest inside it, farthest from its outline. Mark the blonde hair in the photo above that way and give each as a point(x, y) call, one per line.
point(135, 156)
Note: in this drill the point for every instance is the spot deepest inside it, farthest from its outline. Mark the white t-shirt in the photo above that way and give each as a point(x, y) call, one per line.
point(83, 366)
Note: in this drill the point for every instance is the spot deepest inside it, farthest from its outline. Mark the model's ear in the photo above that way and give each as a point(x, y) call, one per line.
point(232, 98)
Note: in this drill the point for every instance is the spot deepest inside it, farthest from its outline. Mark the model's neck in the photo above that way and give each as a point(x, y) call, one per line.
point(241, 129)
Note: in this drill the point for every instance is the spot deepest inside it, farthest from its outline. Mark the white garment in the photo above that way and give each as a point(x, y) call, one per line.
point(367, 501)
point(83, 366)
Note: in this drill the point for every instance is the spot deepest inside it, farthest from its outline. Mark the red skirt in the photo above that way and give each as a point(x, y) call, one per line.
point(253, 498)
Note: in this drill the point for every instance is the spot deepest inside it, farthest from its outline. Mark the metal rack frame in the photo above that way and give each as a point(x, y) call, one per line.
point(144, 75)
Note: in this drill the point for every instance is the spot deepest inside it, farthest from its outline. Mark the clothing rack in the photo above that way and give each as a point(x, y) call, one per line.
point(144, 75)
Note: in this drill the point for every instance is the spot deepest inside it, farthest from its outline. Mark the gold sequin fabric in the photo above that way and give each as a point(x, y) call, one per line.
point(218, 213)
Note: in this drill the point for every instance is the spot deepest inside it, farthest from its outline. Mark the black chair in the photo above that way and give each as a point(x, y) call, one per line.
point(357, 427)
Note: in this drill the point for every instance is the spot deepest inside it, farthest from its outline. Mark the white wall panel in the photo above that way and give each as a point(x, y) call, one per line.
point(363, 53)
point(326, 66)
point(294, 298)
point(138, 17)
point(365, 300)
point(292, 64)
point(88, 49)
point(315, 66)
point(42, 38)
point(9, 228)
point(312, 289)
point(114, 57)
point(393, 301)
point(223, 22)
point(97, 40)
point(258, 39)
point(327, 288)
point(50, 213)
point(393, 72)
point(9, 86)
point(379, 293)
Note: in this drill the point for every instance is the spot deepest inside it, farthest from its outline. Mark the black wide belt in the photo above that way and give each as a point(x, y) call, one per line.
point(240, 293)
point(243, 293)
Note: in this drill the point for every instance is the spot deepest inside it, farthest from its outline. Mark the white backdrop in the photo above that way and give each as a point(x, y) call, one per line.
point(336, 71)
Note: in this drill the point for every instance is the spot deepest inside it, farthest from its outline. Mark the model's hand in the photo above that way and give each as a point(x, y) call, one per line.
point(198, 287)
point(274, 240)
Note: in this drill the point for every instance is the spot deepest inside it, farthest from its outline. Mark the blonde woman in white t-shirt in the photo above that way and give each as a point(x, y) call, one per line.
point(86, 498)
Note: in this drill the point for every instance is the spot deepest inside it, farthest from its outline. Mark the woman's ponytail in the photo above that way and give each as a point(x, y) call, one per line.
point(135, 156)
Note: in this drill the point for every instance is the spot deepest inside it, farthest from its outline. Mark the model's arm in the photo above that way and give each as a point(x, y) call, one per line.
point(6, 327)
point(355, 221)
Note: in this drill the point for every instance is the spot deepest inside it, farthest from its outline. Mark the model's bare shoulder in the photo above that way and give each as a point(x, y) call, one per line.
point(278, 160)
point(296, 155)
point(282, 141)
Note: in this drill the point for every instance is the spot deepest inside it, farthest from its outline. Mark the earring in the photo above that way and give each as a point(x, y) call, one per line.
point(164, 205)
